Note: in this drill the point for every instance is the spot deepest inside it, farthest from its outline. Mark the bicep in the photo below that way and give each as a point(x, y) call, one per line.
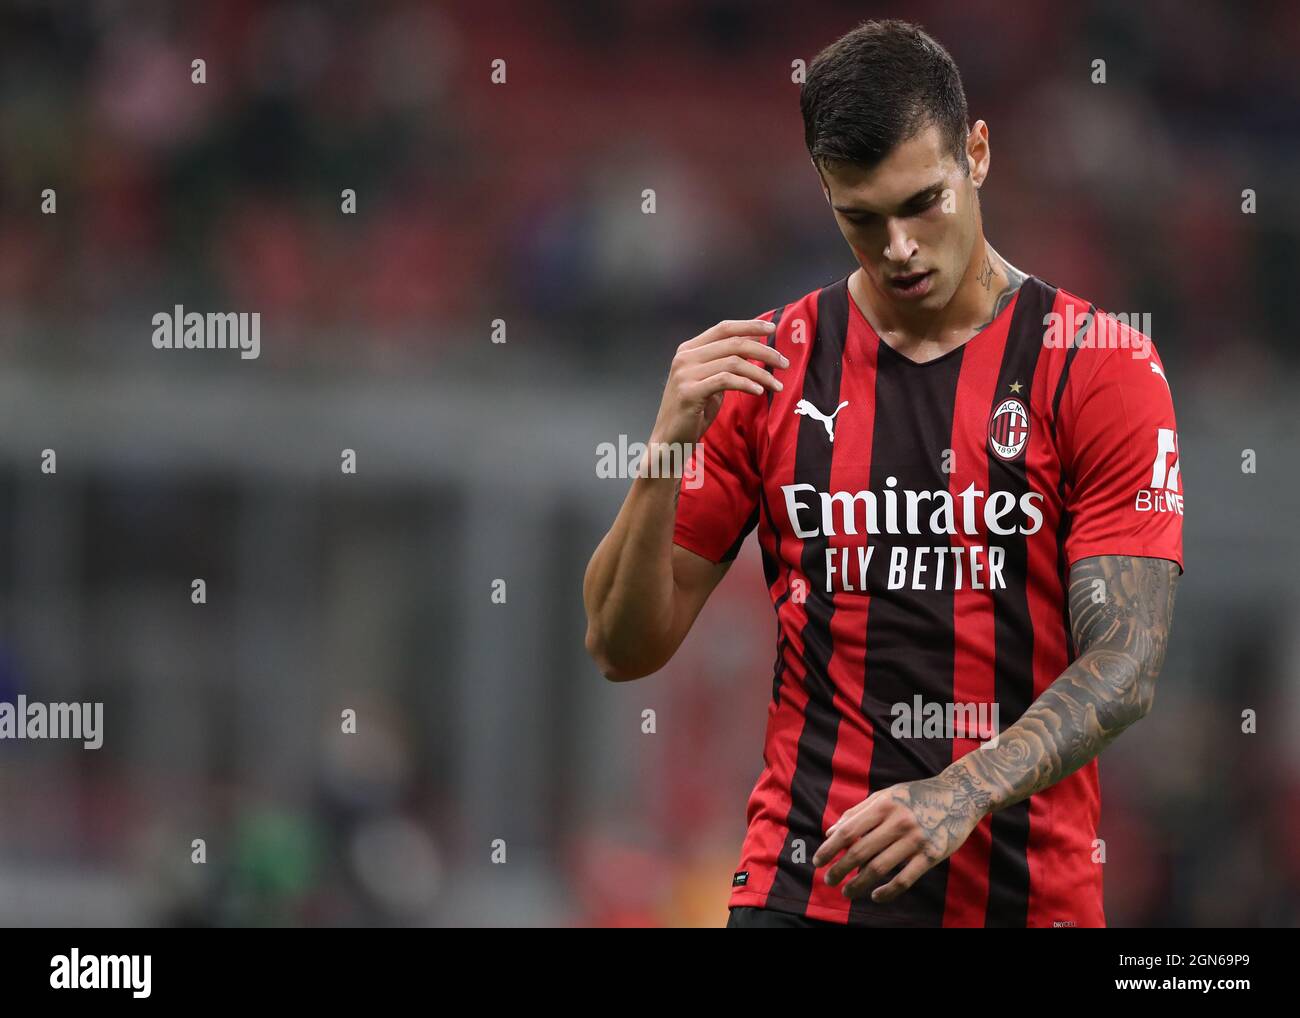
point(1124, 604)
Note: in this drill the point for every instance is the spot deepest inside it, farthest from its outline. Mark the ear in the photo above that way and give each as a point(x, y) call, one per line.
point(977, 152)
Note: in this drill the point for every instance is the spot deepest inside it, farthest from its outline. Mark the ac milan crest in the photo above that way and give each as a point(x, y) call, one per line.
point(1009, 428)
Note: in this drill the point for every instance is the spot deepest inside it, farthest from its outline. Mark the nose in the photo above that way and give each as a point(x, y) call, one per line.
point(901, 247)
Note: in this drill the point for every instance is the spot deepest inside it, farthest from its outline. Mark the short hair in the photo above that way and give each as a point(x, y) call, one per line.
point(877, 86)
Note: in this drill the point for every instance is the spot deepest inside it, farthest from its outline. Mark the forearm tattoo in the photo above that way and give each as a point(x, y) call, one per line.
point(1121, 609)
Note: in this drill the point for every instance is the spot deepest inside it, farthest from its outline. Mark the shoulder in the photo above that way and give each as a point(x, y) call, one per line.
point(1112, 400)
point(1098, 347)
point(829, 299)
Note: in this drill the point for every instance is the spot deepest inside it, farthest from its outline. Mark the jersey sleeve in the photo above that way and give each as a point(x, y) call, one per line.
point(718, 506)
point(1119, 447)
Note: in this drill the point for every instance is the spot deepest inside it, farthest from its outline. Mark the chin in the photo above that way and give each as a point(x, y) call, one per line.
point(938, 296)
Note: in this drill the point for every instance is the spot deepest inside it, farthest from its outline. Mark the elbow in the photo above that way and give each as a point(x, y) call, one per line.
point(1146, 696)
point(1134, 701)
point(599, 653)
point(615, 674)
point(1150, 665)
point(615, 669)
point(1121, 683)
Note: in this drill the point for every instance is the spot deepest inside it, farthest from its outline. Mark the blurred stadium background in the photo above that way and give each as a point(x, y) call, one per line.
point(476, 461)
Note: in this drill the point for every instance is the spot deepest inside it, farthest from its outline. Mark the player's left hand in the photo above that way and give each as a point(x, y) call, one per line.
point(915, 825)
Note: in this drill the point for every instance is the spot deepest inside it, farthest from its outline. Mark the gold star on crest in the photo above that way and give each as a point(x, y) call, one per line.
point(1015, 387)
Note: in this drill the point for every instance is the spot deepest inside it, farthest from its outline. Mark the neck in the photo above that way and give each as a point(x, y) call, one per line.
point(987, 286)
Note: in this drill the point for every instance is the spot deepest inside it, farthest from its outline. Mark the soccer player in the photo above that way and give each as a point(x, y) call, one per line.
point(967, 492)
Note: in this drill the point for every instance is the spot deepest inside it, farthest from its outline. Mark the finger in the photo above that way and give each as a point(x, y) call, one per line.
point(857, 808)
point(742, 347)
point(731, 366)
point(739, 366)
point(863, 850)
point(912, 872)
point(878, 839)
point(835, 834)
point(697, 363)
point(720, 382)
point(838, 838)
point(877, 867)
point(731, 327)
point(845, 817)
point(846, 834)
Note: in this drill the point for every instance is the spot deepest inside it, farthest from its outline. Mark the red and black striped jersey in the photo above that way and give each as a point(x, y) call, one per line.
point(917, 523)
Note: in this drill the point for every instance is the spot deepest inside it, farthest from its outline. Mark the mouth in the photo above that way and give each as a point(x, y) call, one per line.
point(914, 284)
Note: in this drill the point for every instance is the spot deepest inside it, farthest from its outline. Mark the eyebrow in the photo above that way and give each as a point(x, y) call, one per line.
point(923, 193)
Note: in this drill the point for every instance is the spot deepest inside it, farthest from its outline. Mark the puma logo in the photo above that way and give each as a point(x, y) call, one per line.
point(806, 409)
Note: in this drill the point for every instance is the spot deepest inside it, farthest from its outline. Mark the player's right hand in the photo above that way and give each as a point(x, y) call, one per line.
point(705, 367)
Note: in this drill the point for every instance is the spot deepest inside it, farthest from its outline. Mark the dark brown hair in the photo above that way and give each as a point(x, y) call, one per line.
point(877, 86)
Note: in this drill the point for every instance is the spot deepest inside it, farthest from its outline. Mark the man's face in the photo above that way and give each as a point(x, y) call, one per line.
point(913, 214)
